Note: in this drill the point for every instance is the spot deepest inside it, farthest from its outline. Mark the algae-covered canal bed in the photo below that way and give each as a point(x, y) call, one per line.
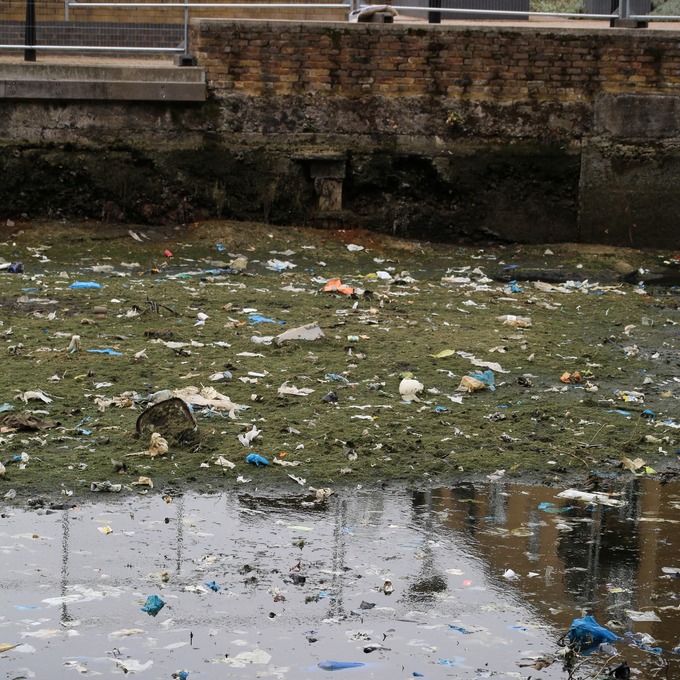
point(464, 581)
point(581, 344)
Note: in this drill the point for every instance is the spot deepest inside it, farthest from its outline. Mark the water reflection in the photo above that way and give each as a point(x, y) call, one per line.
point(445, 551)
point(601, 560)
point(66, 552)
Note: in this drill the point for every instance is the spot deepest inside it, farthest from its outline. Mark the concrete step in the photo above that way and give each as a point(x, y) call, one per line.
point(131, 83)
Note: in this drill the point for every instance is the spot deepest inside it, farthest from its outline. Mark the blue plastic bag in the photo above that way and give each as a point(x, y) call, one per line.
point(256, 460)
point(487, 377)
point(339, 665)
point(153, 605)
point(213, 586)
point(111, 352)
point(587, 634)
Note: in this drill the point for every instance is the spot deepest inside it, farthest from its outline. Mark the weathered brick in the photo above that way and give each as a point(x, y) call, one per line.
point(398, 60)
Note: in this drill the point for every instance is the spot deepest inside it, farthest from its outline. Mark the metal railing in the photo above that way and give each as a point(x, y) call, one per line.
point(157, 27)
point(148, 34)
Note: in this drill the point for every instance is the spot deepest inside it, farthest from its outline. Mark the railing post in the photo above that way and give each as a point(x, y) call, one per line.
point(186, 26)
point(185, 59)
point(434, 17)
point(29, 31)
point(625, 11)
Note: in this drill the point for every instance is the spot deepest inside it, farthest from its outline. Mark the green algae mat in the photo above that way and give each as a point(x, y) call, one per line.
point(303, 358)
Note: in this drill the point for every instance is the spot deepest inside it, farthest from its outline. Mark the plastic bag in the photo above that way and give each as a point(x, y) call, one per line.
point(587, 634)
point(153, 605)
point(479, 380)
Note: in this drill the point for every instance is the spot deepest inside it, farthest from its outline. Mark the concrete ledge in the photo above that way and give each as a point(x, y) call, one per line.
point(88, 90)
point(49, 81)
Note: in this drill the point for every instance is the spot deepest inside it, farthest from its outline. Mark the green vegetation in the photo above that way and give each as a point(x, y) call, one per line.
point(533, 426)
point(561, 6)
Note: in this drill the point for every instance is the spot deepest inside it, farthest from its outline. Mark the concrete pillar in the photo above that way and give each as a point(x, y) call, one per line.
point(328, 175)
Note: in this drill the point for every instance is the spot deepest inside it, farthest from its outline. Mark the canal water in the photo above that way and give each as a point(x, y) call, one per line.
point(471, 581)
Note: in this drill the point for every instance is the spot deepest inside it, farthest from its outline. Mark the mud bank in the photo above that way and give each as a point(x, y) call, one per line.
point(586, 383)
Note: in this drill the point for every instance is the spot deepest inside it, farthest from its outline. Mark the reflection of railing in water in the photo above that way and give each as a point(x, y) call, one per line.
point(337, 602)
point(179, 520)
point(65, 542)
point(614, 546)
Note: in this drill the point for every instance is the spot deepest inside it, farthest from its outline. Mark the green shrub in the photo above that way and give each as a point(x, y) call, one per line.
point(562, 6)
point(666, 7)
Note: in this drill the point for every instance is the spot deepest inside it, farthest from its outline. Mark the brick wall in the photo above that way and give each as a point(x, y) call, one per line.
point(473, 63)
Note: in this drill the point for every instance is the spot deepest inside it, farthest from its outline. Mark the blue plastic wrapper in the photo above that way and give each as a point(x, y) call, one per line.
point(153, 605)
point(112, 352)
point(460, 629)
point(213, 586)
point(16, 268)
point(456, 661)
point(336, 377)
point(588, 634)
point(258, 318)
point(339, 665)
point(552, 508)
point(643, 645)
point(256, 460)
point(85, 284)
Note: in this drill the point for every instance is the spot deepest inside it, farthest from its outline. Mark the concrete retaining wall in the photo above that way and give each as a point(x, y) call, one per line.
point(436, 132)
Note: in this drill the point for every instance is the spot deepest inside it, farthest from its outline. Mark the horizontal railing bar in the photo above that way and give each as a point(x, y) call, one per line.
point(83, 48)
point(654, 17)
point(267, 5)
point(197, 5)
point(505, 12)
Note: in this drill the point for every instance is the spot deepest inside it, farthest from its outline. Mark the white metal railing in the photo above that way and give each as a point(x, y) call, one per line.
point(183, 48)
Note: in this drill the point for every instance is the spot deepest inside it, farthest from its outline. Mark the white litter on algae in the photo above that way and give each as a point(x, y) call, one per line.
point(443, 317)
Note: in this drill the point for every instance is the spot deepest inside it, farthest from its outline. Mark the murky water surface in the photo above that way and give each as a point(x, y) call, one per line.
point(300, 585)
